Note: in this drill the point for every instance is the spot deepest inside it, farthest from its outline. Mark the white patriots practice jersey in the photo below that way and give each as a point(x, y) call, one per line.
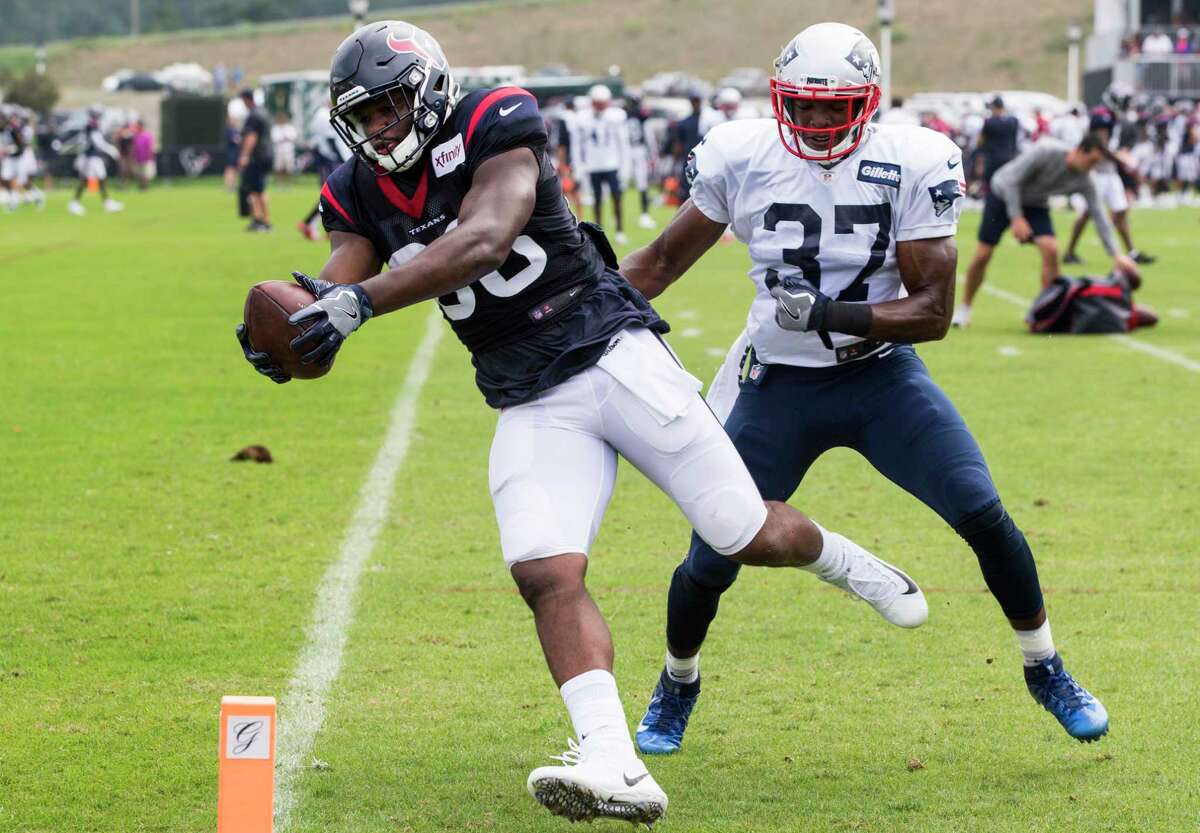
point(603, 140)
point(835, 228)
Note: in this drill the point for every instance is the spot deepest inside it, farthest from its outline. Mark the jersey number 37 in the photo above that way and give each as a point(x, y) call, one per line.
point(845, 218)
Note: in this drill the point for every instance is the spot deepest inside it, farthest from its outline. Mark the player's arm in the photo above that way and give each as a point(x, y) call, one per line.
point(493, 212)
point(352, 259)
point(655, 267)
point(249, 142)
point(927, 268)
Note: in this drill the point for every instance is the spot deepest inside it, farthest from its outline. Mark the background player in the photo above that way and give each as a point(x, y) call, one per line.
point(838, 217)
point(642, 154)
point(459, 198)
point(603, 153)
point(90, 164)
point(1019, 195)
point(1109, 185)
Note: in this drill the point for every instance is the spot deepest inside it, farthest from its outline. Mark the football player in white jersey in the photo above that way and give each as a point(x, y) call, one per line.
point(603, 153)
point(850, 228)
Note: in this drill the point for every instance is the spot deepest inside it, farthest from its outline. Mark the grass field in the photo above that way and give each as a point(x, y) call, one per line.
point(143, 575)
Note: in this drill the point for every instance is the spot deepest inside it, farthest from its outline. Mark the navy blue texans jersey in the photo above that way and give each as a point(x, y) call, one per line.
point(552, 306)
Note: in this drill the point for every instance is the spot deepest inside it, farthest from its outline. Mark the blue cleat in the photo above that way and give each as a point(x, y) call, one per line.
point(1081, 714)
point(661, 730)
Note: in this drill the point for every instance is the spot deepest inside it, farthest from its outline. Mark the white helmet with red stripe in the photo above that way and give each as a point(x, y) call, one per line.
point(827, 62)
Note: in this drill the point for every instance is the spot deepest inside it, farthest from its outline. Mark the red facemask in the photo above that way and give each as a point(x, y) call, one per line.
point(863, 101)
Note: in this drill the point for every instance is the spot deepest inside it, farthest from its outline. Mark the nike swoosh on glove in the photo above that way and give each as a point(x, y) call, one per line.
point(341, 307)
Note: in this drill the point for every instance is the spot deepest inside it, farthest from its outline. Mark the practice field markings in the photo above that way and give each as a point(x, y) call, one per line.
point(302, 710)
point(1132, 343)
point(1008, 351)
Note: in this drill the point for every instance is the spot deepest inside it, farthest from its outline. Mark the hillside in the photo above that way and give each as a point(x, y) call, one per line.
point(939, 44)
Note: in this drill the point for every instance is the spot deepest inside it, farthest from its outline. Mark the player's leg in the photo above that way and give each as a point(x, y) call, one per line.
point(918, 440)
point(655, 419)
point(617, 193)
point(1081, 221)
point(597, 183)
point(551, 477)
point(991, 227)
point(641, 181)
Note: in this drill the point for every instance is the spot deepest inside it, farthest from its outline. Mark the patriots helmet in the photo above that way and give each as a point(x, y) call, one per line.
point(827, 62)
point(402, 66)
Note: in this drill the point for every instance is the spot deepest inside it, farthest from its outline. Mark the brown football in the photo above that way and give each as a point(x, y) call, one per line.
point(268, 306)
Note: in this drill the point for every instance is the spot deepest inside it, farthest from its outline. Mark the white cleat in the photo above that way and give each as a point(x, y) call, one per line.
point(112, 205)
point(76, 208)
point(647, 222)
point(621, 239)
point(962, 316)
point(888, 589)
point(596, 785)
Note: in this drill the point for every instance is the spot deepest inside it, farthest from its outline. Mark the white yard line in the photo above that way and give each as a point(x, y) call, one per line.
point(1128, 341)
point(302, 709)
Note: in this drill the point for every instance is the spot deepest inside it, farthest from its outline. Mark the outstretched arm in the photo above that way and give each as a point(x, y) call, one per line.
point(491, 217)
point(655, 267)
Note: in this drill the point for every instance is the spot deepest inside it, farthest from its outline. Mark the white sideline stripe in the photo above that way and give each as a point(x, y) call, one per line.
point(302, 710)
point(1128, 341)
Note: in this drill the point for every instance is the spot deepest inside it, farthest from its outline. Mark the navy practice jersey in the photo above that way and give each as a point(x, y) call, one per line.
point(551, 307)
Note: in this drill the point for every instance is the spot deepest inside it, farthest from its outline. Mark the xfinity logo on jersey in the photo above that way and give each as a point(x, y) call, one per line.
point(943, 195)
point(880, 173)
point(448, 156)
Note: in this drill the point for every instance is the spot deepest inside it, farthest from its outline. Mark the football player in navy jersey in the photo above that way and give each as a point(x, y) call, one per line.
point(456, 199)
point(850, 228)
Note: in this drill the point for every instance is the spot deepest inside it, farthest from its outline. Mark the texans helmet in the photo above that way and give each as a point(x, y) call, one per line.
point(826, 62)
point(392, 61)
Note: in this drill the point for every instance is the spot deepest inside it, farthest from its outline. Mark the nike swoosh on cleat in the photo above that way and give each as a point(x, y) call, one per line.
point(634, 782)
point(504, 111)
point(912, 588)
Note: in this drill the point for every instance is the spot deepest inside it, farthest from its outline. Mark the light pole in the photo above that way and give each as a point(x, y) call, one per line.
point(358, 8)
point(1074, 35)
point(886, 10)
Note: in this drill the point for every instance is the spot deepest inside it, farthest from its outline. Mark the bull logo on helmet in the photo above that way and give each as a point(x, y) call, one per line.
point(416, 42)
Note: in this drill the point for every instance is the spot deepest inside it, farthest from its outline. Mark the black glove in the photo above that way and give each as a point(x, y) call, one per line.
point(341, 309)
point(261, 361)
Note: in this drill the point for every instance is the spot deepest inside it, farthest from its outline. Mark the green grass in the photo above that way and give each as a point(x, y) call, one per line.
point(143, 575)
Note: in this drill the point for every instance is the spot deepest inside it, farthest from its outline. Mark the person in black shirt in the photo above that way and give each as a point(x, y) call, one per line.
point(254, 161)
point(997, 142)
point(687, 136)
point(457, 195)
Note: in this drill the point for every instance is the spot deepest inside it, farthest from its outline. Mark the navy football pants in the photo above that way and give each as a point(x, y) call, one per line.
point(888, 409)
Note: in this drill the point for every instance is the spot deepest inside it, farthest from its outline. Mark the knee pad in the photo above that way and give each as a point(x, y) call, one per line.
point(1005, 560)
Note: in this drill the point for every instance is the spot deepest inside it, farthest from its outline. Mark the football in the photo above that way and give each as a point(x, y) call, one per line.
point(268, 306)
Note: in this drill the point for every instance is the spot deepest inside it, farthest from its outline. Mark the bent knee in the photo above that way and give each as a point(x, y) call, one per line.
point(544, 579)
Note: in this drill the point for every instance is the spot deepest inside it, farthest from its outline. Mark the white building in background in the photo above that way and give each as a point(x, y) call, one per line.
point(1114, 50)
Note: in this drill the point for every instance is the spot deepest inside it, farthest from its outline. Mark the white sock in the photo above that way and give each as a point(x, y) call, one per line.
point(1036, 645)
point(597, 714)
point(831, 563)
point(683, 670)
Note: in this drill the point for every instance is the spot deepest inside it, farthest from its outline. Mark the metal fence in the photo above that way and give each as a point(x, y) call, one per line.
point(1175, 77)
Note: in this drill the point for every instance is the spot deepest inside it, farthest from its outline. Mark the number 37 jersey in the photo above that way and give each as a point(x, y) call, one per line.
point(834, 228)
